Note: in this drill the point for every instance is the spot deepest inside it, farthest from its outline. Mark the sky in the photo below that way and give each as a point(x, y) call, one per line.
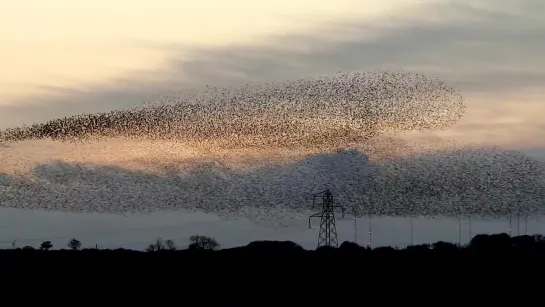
point(61, 57)
point(30, 228)
point(64, 57)
point(81, 44)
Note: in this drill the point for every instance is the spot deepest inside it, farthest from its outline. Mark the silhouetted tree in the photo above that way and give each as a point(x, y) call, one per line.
point(269, 247)
point(350, 246)
point(487, 245)
point(491, 243)
point(157, 246)
point(203, 243)
point(442, 246)
point(418, 249)
point(524, 242)
point(169, 244)
point(384, 250)
point(326, 249)
point(74, 244)
point(46, 245)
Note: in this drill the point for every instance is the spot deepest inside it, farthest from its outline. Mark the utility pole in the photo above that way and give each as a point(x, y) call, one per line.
point(510, 222)
point(459, 230)
point(370, 243)
point(470, 231)
point(412, 230)
point(355, 230)
point(518, 214)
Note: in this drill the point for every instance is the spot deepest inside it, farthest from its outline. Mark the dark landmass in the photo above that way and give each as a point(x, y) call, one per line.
point(267, 270)
point(207, 248)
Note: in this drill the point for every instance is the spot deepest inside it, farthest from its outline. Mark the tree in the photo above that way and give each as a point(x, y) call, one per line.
point(157, 246)
point(169, 244)
point(74, 244)
point(203, 243)
point(442, 246)
point(46, 246)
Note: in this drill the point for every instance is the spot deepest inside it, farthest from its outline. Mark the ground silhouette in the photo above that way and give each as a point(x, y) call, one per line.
point(202, 246)
point(280, 264)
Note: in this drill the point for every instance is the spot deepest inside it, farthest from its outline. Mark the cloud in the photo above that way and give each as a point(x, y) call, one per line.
point(494, 52)
point(488, 53)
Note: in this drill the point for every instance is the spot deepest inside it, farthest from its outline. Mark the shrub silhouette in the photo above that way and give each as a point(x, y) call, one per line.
point(46, 245)
point(158, 246)
point(491, 243)
point(199, 242)
point(203, 246)
point(161, 245)
point(269, 247)
point(74, 244)
point(169, 245)
point(444, 247)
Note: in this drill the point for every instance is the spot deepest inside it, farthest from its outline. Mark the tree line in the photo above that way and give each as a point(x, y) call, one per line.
point(196, 242)
point(479, 244)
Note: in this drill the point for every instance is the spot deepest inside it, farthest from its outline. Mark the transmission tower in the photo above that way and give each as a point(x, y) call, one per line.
point(328, 230)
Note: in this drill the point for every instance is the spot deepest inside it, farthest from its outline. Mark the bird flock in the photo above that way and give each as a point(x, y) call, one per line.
point(314, 112)
point(338, 124)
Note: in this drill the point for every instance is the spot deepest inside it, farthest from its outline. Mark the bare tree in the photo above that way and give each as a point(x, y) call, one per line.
point(169, 244)
point(46, 245)
point(74, 244)
point(203, 243)
point(157, 246)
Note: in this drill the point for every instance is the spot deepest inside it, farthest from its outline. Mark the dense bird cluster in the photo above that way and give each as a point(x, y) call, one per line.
point(378, 175)
point(461, 180)
point(330, 110)
point(465, 180)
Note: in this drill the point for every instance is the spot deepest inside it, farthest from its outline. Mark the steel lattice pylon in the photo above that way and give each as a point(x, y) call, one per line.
point(328, 229)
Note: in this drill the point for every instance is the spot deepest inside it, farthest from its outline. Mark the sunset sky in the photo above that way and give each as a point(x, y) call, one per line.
point(63, 57)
